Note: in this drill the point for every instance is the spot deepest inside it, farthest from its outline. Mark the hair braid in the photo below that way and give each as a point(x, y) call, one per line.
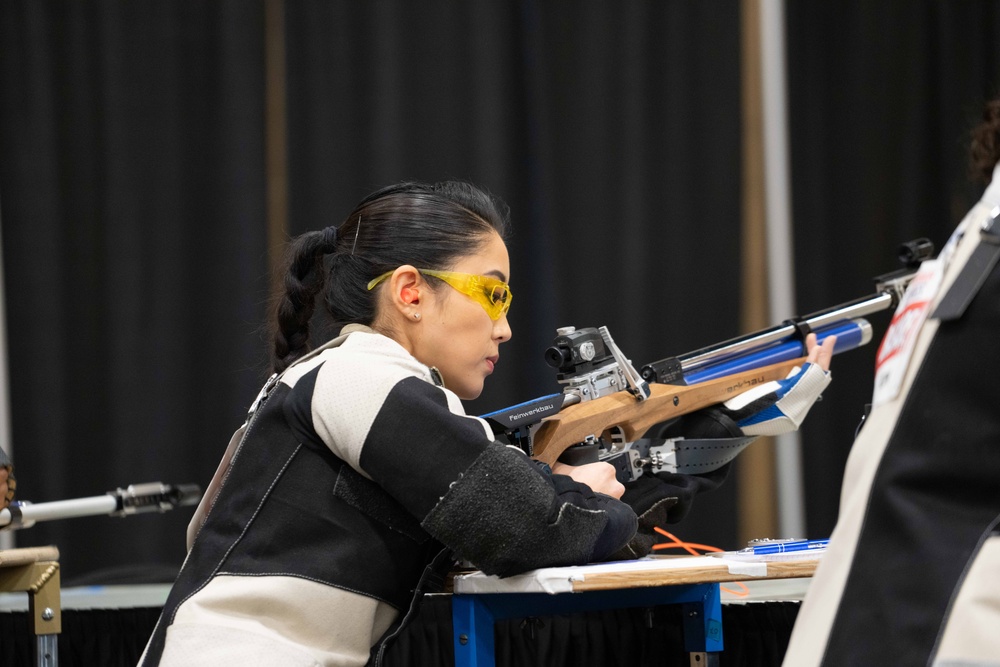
point(295, 305)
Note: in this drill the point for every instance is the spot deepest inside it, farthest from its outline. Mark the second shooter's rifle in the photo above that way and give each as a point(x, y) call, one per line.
point(134, 499)
point(609, 412)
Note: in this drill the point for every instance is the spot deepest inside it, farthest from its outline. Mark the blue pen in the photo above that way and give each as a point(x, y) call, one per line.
point(785, 547)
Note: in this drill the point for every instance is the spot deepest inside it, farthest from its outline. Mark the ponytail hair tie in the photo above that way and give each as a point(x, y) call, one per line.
point(329, 241)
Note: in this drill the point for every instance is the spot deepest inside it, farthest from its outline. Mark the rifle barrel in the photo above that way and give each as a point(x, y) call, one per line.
point(782, 332)
point(60, 509)
point(136, 498)
point(850, 335)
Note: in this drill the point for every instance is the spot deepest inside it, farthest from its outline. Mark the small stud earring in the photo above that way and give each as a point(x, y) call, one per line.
point(416, 316)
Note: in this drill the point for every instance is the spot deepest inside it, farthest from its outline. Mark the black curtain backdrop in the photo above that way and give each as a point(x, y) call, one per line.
point(131, 186)
point(132, 180)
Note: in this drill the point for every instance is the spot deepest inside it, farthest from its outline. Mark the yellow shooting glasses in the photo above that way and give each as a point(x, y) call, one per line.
point(491, 293)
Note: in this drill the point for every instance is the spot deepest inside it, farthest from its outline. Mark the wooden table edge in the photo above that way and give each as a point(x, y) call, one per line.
point(789, 569)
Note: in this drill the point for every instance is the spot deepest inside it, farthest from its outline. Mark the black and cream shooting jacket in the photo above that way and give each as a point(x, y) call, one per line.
point(352, 473)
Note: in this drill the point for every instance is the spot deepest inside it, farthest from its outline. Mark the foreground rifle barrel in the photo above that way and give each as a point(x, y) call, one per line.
point(850, 334)
point(671, 370)
point(820, 320)
point(890, 288)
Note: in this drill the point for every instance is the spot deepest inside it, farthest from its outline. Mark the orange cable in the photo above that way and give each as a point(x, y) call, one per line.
point(691, 547)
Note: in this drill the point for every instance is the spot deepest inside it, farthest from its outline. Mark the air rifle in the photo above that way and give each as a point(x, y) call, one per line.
point(607, 409)
point(135, 499)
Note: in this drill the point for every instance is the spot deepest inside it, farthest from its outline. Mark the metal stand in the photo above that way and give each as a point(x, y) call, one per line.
point(473, 615)
point(36, 572)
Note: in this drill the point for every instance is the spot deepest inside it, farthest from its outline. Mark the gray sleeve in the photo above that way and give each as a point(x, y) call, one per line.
point(505, 516)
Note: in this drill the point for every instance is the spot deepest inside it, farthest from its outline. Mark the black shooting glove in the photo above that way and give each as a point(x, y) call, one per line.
point(666, 497)
point(659, 499)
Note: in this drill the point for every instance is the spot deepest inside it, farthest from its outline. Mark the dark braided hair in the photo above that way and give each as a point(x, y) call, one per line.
point(427, 226)
point(984, 151)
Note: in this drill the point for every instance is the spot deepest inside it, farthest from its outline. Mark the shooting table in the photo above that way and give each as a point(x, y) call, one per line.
point(691, 581)
point(35, 571)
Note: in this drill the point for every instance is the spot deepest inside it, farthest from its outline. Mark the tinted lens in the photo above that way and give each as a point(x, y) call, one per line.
point(498, 295)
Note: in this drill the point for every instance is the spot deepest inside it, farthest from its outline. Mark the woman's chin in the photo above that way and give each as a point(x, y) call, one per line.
point(468, 393)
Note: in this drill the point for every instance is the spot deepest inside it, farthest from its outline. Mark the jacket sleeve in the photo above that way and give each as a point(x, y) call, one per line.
point(486, 501)
point(506, 516)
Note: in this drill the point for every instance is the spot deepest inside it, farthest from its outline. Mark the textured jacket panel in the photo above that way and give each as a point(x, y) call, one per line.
point(506, 517)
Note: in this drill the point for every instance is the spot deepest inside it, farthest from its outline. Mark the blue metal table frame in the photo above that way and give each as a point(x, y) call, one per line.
point(473, 616)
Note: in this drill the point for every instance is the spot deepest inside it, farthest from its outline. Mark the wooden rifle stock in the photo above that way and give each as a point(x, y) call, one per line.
point(573, 424)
